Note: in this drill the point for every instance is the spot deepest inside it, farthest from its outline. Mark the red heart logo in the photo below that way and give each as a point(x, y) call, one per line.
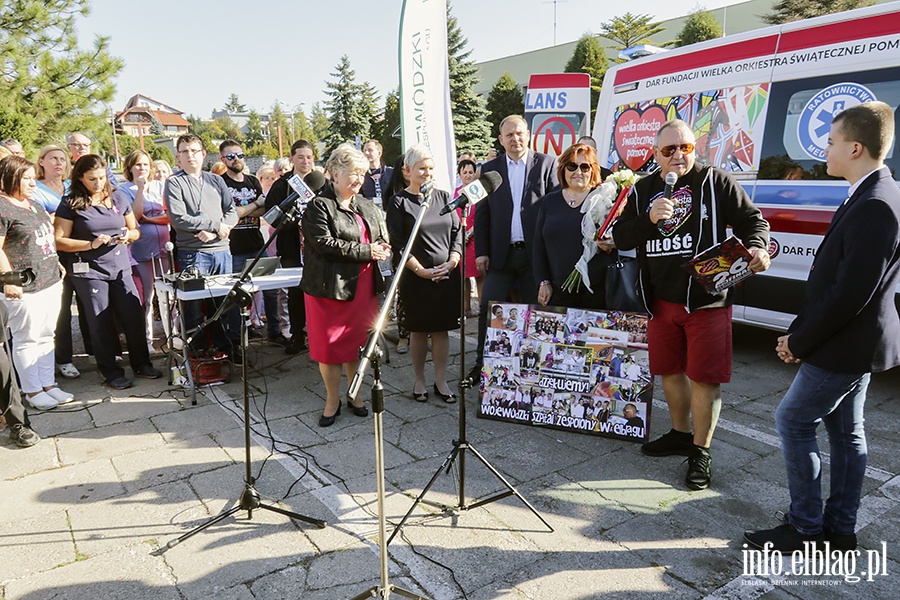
point(636, 133)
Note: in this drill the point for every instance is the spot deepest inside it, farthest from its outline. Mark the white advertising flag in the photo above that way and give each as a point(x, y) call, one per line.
point(425, 116)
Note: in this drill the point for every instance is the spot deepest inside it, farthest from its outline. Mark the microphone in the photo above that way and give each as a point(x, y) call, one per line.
point(275, 214)
point(315, 180)
point(671, 180)
point(476, 191)
point(426, 189)
point(20, 277)
point(170, 248)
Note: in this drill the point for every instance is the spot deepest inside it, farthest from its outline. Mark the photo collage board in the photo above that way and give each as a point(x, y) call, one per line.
point(568, 368)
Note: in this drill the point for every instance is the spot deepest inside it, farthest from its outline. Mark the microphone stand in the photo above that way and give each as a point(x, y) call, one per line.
point(249, 499)
point(461, 445)
point(371, 353)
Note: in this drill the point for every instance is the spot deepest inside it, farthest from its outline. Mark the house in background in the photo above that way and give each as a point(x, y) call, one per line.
point(144, 116)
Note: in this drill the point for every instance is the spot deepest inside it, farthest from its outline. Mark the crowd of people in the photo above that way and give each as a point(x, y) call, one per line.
point(67, 219)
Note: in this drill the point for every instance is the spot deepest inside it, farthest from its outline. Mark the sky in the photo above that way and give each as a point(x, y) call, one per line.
point(193, 54)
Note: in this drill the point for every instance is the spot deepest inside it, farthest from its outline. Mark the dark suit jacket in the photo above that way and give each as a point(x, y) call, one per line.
point(849, 322)
point(494, 214)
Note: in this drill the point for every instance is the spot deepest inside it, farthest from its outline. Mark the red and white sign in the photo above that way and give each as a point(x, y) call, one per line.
point(557, 110)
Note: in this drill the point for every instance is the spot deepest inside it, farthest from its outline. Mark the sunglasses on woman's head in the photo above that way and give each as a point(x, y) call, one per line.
point(668, 151)
point(572, 167)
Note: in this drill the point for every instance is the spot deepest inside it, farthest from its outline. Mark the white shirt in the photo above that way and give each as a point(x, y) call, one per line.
point(516, 172)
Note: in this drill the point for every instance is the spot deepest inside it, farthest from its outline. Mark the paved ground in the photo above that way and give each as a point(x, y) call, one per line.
point(119, 474)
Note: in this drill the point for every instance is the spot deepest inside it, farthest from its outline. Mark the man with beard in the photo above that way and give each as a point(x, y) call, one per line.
point(245, 239)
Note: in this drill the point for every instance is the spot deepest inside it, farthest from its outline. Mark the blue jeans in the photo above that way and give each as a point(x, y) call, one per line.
point(208, 263)
point(836, 399)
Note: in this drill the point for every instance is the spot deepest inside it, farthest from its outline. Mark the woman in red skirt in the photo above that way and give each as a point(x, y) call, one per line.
point(344, 238)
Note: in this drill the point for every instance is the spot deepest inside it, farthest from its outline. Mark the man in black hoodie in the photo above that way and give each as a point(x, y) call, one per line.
point(689, 332)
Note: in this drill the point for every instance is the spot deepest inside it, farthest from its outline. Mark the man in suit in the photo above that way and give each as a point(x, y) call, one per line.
point(505, 220)
point(848, 328)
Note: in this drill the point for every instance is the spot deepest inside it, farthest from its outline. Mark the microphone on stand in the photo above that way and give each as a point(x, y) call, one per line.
point(170, 247)
point(276, 214)
point(426, 189)
point(671, 180)
point(476, 191)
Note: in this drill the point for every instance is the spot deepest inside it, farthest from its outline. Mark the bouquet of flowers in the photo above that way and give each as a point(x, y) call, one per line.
point(600, 209)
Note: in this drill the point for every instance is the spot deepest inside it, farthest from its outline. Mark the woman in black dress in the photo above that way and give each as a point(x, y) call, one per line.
point(430, 290)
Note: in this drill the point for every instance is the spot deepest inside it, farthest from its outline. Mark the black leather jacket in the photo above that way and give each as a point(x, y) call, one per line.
point(333, 253)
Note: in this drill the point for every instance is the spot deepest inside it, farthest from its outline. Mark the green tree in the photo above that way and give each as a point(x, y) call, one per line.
point(630, 30)
point(384, 129)
point(158, 152)
point(505, 98)
point(351, 107)
point(319, 122)
point(50, 85)
point(785, 11)
point(255, 133)
point(700, 25)
point(589, 57)
point(262, 148)
point(234, 105)
point(128, 144)
point(277, 119)
point(202, 129)
point(156, 127)
point(224, 128)
point(470, 114)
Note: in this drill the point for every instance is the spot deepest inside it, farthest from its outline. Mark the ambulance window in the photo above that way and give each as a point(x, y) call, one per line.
point(799, 119)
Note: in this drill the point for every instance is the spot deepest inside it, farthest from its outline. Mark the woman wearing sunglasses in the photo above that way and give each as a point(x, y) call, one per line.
point(557, 235)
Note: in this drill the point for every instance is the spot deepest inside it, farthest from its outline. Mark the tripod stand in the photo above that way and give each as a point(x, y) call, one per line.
point(249, 499)
point(462, 445)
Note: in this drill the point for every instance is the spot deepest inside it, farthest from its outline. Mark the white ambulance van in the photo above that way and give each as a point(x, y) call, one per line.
point(761, 104)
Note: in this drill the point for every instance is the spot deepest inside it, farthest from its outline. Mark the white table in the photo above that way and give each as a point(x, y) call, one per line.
point(217, 286)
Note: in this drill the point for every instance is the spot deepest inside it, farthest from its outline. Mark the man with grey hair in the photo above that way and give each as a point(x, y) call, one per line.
point(689, 332)
point(79, 144)
point(14, 146)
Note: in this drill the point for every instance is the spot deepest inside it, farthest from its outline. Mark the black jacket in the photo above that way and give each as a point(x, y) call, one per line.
point(849, 322)
point(723, 203)
point(333, 253)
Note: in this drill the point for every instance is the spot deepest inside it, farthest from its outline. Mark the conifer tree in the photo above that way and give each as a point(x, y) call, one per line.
point(504, 99)
point(470, 115)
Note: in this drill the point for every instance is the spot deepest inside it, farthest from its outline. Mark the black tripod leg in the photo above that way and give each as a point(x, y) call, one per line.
point(202, 526)
point(293, 515)
point(447, 462)
point(509, 486)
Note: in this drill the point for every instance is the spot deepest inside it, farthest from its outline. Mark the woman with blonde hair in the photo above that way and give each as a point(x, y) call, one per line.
point(52, 177)
point(345, 237)
point(430, 291)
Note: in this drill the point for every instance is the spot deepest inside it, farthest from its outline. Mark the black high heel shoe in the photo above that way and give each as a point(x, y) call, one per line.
point(448, 398)
point(329, 421)
point(359, 411)
point(420, 396)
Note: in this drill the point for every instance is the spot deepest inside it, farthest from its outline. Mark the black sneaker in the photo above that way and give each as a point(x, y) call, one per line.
point(120, 383)
point(783, 538)
point(296, 345)
point(698, 474)
point(669, 444)
point(23, 436)
point(279, 340)
point(148, 372)
point(841, 541)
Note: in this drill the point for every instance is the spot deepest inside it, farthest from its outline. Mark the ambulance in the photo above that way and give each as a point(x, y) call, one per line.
point(761, 105)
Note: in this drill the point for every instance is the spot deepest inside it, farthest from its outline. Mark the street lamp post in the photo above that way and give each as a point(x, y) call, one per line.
point(293, 109)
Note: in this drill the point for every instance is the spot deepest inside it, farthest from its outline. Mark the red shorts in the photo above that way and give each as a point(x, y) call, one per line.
point(696, 343)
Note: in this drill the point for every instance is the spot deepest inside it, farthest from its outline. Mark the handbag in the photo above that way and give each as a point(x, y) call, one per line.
point(621, 286)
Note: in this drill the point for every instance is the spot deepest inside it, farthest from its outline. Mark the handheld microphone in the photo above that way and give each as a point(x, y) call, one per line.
point(276, 214)
point(20, 277)
point(170, 248)
point(476, 191)
point(671, 180)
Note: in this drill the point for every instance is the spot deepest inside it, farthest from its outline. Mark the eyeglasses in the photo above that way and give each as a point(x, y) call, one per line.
point(187, 151)
point(234, 155)
point(572, 167)
point(80, 144)
point(668, 151)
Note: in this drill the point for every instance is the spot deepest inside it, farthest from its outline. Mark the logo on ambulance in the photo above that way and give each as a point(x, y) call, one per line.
point(816, 117)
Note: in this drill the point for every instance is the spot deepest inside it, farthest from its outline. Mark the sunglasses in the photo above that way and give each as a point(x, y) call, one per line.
point(234, 155)
point(572, 167)
point(668, 151)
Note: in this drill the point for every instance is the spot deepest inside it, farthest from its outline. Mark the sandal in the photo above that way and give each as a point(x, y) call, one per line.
point(403, 346)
